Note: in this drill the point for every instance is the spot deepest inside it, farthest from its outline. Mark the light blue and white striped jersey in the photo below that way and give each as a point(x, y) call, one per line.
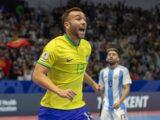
point(113, 80)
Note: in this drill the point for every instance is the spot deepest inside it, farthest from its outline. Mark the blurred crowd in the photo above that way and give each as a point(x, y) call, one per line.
point(136, 31)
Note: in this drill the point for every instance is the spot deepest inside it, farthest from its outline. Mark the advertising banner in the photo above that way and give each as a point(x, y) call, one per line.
point(19, 104)
point(28, 104)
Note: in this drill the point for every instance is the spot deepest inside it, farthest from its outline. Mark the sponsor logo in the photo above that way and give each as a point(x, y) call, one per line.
point(137, 101)
point(8, 105)
point(69, 60)
point(131, 102)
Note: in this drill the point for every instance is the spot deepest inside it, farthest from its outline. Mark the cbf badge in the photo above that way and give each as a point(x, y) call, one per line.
point(45, 56)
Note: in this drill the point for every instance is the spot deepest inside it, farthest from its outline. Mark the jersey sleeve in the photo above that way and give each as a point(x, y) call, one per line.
point(48, 56)
point(127, 78)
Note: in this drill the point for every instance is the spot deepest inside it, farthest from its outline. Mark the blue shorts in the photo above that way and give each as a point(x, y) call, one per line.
point(57, 114)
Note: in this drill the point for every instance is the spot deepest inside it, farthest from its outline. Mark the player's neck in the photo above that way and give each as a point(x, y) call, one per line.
point(113, 66)
point(73, 39)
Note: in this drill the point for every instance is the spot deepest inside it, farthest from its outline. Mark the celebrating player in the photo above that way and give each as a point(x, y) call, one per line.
point(61, 70)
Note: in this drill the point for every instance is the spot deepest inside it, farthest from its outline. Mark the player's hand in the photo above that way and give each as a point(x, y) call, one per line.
point(68, 93)
point(117, 104)
point(98, 88)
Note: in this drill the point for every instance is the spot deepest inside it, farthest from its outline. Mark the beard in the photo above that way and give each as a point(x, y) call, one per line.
point(112, 62)
point(77, 33)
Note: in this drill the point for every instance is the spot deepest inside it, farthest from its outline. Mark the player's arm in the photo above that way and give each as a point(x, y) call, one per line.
point(40, 77)
point(92, 83)
point(125, 93)
point(101, 82)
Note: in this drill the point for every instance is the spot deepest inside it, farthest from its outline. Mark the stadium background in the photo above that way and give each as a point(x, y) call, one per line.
point(26, 26)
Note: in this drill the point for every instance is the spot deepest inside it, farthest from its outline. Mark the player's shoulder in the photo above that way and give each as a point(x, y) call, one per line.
point(104, 69)
point(55, 41)
point(123, 67)
point(85, 45)
point(84, 41)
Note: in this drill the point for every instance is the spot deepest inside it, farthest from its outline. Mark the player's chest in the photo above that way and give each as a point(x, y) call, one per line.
point(73, 55)
point(112, 78)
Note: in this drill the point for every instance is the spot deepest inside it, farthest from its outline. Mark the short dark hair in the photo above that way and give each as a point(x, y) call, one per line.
point(66, 13)
point(113, 47)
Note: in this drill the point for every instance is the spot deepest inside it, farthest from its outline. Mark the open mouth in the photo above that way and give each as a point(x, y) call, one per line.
point(82, 30)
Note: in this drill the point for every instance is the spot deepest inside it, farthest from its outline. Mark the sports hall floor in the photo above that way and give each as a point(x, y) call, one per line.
point(152, 115)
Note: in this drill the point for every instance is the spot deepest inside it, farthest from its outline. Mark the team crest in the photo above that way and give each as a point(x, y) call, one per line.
point(45, 56)
point(115, 77)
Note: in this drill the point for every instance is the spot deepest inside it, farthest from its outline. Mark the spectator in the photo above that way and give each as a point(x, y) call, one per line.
point(136, 30)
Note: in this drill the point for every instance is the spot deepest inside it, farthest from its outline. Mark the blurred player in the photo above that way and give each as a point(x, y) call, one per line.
point(116, 82)
point(61, 70)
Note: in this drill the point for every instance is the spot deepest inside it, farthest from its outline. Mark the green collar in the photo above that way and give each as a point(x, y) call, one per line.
point(70, 41)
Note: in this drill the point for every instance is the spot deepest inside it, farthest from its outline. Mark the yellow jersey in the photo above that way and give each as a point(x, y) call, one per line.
point(67, 64)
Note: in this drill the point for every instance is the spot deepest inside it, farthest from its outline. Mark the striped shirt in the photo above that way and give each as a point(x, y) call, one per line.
point(113, 80)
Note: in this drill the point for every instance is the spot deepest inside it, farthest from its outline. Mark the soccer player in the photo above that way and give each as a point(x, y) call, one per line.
point(61, 70)
point(116, 82)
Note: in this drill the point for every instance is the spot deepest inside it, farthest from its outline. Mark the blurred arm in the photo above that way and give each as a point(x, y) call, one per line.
point(125, 93)
point(40, 77)
point(92, 83)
